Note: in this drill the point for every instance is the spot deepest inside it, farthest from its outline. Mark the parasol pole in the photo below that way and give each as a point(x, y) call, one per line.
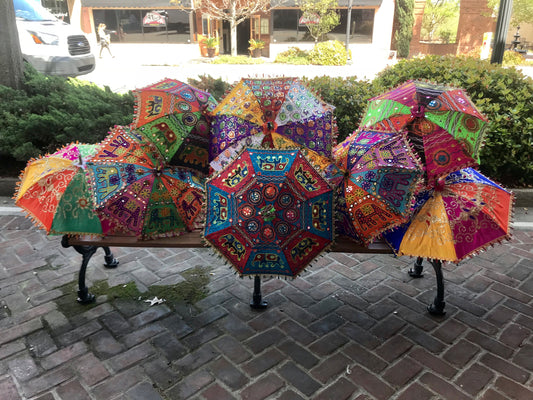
point(502, 26)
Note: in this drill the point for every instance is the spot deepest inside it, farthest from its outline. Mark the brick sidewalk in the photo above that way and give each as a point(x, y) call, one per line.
point(351, 327)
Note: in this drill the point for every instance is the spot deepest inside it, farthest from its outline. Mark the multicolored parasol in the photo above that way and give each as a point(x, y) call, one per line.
point(54, 192)
point(443, 124)
point(383, 175)
point(136, 195)
point(269, 212)
point(173, 115)
point(282, 105)
point(333, 174)
point(465, 213)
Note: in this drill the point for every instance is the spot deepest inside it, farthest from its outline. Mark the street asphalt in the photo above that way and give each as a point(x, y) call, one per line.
point(351, 327)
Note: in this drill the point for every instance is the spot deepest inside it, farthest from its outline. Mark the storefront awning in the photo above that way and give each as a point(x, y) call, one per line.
point(341, 3)
point(136, 4)
point(163, 4)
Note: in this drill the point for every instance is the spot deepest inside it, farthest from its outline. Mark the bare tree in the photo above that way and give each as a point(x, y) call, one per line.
point(233, 11)
point(323, 12)
point(11, 65)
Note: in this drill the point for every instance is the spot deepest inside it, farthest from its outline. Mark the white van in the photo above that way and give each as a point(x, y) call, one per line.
point(51, 46)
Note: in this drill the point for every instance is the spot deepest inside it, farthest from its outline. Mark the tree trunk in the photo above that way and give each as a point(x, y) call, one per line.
point(11, 65)
point(233, 29)
point(233, 39)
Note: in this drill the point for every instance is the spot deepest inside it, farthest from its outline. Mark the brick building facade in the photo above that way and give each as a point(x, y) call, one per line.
point(475, 19)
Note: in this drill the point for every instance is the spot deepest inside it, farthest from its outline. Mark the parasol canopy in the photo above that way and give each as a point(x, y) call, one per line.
point(329, 169)
point(267, 105)
point(173, 116)
point(443, 124)
point(53, 191)
point(136, 195)
point(465, 213)
point(382, 177)
point(269, 212)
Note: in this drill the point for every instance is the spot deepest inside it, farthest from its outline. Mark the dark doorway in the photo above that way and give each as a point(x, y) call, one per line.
point(226, 37)
point(243, 35)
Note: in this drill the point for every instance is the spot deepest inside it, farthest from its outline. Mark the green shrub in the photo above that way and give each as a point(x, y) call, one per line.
point(217, 87)
point(50, 112)
point(331, 52)
point(293, 55)
point(225, 59)
point(502, 94)
point(512, 59)
point(348, 95)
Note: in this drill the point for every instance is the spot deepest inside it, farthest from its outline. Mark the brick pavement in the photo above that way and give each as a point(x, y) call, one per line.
point(352, 327)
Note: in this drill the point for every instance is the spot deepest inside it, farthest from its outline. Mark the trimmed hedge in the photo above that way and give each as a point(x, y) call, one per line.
point(348, 95)
point(50, 112)
point(331, 52)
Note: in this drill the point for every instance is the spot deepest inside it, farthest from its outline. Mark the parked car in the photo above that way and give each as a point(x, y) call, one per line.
point(50, 45)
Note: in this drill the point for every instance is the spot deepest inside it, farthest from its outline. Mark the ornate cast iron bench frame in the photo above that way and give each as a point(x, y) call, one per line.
point(87, 246)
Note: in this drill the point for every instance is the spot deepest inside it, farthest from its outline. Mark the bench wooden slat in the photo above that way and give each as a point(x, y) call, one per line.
point(194, 240)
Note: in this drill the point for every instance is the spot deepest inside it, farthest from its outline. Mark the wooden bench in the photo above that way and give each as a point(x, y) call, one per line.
point(87, 246)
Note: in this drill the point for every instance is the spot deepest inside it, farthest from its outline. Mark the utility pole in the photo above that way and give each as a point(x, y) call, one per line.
point(348, 26)
point(502, 26)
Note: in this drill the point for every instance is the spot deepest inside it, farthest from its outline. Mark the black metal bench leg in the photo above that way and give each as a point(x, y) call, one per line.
point(84, 297)
point(437, 308)
point(110, 260)
point(416, 271)
point(257, 302)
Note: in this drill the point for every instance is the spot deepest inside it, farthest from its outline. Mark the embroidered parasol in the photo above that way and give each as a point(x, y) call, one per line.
point(382, 177)
point(173, 116)
point(267, 105)
point(269, 212)
point(53, 191)
point(465, 213)
point(136, 195)
point(443, 124)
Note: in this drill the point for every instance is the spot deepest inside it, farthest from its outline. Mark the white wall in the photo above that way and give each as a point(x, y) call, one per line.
point(381, 36)
point(383, 20)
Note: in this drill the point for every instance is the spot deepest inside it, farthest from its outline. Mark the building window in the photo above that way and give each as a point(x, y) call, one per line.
point(57, 7)
point(287, 28)
point(145, 26)
point(362, 26)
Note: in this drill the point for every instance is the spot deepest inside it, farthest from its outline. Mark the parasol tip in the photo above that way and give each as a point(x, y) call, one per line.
point(439, 185)
point(418, 111)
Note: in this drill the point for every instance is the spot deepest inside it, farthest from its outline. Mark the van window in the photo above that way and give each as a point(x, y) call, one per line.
point(31, 10)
